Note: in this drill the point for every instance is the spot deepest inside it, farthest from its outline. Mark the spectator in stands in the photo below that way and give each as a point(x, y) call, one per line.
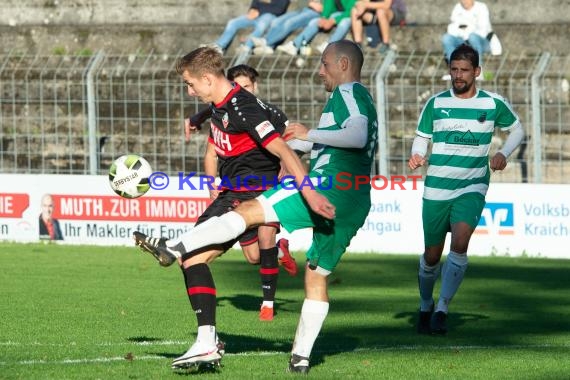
point(470, 23)
point(336, 13)
point(259, 16)
point(49, 226)
point(286, 24)
point(383, 12)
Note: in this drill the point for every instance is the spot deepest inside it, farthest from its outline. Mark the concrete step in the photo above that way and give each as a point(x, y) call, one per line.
point(180, 39)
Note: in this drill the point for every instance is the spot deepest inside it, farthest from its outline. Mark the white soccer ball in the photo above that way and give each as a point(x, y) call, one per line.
point(129, 176)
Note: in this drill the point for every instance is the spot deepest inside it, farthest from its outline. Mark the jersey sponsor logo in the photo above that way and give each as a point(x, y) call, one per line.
point(496, 219)
point(221, 139)
point(225, 120)
point(264, 128)
point(481, 117)
point(461, 138)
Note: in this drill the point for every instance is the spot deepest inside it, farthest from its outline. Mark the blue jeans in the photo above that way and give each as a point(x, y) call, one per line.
point(450, 43)
point(286, 24)
point(259, 24)
point(312, 29)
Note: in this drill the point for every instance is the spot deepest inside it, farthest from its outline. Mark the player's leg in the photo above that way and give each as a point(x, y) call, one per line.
point(168, 255)
point(288, 204)
point(286, 260)
point(216, 230)
point(269, 269)
point(201, 292)
point(313, 314)
point(324, 255)
point(435, 217)
point(464, 216)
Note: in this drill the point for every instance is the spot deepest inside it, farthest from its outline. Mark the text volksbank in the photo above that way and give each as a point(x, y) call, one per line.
point(341, 181)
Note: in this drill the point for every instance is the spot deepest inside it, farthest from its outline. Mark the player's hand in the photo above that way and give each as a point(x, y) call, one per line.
point(319, 203)
point(214, 193)
point(282, 173)
point(295, 131)
point(498, 162)
point(416, 161)
point(188, 129)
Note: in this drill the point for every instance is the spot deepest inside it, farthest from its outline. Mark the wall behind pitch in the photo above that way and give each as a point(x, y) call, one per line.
point(518, 219)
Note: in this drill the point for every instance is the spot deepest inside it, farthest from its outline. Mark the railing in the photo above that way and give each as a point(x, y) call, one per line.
point(75, 114)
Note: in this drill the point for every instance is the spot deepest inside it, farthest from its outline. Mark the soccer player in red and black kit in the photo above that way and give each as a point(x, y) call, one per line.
point(258, 244)
point(247, 77)
point(241, 128)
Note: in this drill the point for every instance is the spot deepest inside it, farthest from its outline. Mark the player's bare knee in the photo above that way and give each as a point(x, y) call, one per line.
point(251, 211)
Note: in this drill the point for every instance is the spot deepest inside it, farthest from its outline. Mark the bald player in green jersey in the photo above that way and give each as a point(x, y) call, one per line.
point(344, 143)
point(460, 122)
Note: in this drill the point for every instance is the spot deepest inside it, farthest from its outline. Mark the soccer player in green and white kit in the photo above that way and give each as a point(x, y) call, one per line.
point(344, 142)
point(460, 122)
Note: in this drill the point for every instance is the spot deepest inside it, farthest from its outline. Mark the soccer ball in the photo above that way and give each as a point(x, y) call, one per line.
point(128, 176)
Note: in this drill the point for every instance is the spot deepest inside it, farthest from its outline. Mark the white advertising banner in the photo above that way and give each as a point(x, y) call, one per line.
point(518, 219)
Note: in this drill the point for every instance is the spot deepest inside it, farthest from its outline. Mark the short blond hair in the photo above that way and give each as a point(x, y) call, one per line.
point(201, 61)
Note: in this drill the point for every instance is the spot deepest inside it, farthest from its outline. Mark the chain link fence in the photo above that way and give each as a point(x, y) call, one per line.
point(64, 114)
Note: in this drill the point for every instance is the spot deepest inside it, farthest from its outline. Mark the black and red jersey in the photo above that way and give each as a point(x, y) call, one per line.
point(240, 128)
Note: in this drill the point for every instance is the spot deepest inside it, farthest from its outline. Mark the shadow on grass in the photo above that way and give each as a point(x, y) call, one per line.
point(247, 302)
point(455, 320)
point(328, 344)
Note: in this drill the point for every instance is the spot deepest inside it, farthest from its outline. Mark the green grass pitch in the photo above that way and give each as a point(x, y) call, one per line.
point(83, 312)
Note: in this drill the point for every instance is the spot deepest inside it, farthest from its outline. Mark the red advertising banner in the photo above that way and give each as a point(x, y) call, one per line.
point(13, 205)
point(114, 208)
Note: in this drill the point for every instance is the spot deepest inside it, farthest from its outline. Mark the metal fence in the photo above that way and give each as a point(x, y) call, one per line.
point(75, 114)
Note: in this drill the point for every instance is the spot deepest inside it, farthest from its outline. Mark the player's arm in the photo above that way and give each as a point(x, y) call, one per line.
point(514, 139)
point(419, 151)
point(353, 134)
point(211, 166)
point(195, 122)
point(318, 202)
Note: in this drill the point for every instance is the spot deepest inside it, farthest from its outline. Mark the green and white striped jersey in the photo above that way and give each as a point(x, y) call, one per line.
point(461, 132)
point(347, 100)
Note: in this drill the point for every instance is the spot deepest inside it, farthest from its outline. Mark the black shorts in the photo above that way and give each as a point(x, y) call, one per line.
point(227, 201)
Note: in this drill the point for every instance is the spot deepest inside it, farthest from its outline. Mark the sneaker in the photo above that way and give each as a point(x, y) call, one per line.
point(298, 364)
point(196, 355)
point(288, 48)
point(258, 42)
point(424, 320)
point(221, 345)
point(243, 49)
point(287, 261)
point(266, 313)
point(263, 50)
point(157, 247)
point(383, 49)
point(438, 323)
point(321, 48)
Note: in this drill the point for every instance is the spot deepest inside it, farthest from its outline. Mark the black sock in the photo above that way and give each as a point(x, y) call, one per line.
point(202, 293)
point(269, 271)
